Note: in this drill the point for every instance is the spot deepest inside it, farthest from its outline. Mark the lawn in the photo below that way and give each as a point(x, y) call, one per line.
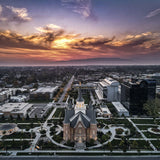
point(56, 121)
point(142, 127)
point(113, 121)
point(151, 135)
point(19, 135)
point(28, 126)
point(59, 113)
point(140, 144)
point(143, 121)
point(47, 145)
point(19, 145)
point(156, 144)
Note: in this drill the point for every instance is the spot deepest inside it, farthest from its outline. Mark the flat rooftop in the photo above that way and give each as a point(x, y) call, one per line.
point(119, 107)
point(15, 107)
point(105, 109)
point(109, 82)
point(46, 89)
point(98, 94)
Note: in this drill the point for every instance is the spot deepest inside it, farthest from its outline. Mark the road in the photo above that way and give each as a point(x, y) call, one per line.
point(82, 157)
point(66, 89)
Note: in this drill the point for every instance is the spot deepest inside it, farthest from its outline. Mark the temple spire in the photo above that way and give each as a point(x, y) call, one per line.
point(80, 98)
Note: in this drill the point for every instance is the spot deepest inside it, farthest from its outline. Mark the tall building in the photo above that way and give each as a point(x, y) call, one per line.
point(107, 90)
point(80, 122)
point(135, 94)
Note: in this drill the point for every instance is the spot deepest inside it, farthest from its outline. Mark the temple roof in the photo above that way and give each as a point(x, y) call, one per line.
point(68, 113)
point(80, 117)
point(86, 119)
point(90, 112)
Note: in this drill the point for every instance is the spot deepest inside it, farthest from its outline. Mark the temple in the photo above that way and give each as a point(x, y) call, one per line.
point(79, 123)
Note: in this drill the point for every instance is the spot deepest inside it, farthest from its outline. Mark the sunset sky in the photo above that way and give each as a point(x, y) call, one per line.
point(52, 32)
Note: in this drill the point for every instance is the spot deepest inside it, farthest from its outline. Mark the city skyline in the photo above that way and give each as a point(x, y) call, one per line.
point(79, 32)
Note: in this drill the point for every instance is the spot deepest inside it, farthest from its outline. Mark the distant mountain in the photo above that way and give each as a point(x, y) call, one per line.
point(97, 59)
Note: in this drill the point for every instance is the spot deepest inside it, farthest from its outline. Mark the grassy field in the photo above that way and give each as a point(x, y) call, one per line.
point(19, 135)
point(143, 121)
point(59, 113)
point(141, 127)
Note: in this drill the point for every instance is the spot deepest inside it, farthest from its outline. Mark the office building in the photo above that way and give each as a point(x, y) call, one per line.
point(135, 93)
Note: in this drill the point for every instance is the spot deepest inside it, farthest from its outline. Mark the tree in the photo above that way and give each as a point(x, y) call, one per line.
point(4, 132)
point(124, 144)
point(18, 117)
point(11, 117)
point(31, 125)
point(110, 146)
point(3, 118)
point(135, 144)
point(27, 117)
point(35, 116)
point(152, 107)
point(91, 142)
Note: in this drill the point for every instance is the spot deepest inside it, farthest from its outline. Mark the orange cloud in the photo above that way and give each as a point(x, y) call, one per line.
point(55, 44)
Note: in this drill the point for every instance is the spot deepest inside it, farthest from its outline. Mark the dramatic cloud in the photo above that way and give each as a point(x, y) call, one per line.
point(12, 14)
point(53, 44)
point(153, 13)
point(48, 28)
point(82, 7)
point(15, 40)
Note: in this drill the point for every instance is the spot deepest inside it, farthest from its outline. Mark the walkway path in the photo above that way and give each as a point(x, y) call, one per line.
point(145, 138)
point(38, 134)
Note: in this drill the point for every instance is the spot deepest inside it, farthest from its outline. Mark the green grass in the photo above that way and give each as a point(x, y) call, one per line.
point(156, 144)
point(143, 121)
point(28, 126)
point(19, 135)
point(151, 135)
point(58, 138)
point(59, 113)
point(113, 121)
point(141, 144)
point(145, 127)
point(47, 145)
point(112, 109)
point(31, 120)
point(17, 145)
point(56, 121)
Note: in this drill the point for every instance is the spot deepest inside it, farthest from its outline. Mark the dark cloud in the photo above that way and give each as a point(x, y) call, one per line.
point(14, 40)
point(42, 40)
point(90, 42)
point(10, 14)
